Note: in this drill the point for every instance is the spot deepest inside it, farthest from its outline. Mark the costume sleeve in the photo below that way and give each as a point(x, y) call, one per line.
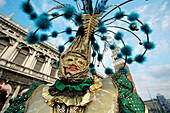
point(17, 105)
point(128, 101)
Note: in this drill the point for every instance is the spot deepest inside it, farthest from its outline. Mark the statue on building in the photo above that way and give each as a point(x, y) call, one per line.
point(78, 88)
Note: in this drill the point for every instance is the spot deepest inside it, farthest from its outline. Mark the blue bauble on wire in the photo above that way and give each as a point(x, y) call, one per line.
point(91, 65)
point(71, 38)
point(96, 46)
point(93, 54)
point(43, 37)
point(126, 50)
point(43, 22)
point(119, 55)
point(129, 60)
point(133, 26)
point(140, 58)
point(118, 36)
point(68, 30)
point(32, 38)
point(103, 38)
point(100, 57)
point(108, 71)
point(54, 34)
point(102, 29)
point(27, 8)
point(69, 11)
point(61, 48)
point(133, 16)
point(148, 45)
point(146, 29)
point(112, 46)
point(33, 16)
point(118, 15)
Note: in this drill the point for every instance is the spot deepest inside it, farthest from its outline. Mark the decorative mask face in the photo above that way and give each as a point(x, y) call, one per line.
point(74, 63)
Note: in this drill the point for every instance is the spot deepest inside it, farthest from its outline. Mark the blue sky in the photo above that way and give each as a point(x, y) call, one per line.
point(152, 74)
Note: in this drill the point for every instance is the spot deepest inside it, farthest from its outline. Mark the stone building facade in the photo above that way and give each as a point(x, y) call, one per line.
point(22, 64)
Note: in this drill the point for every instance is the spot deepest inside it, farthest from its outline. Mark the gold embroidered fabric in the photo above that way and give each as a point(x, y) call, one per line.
point(104, 101)
point(74, 101)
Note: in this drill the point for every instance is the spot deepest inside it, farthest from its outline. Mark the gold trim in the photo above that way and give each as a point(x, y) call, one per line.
point(27, 102)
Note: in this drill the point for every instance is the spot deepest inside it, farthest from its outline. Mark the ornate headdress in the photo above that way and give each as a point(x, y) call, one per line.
point(79, 54)
point(91, 25)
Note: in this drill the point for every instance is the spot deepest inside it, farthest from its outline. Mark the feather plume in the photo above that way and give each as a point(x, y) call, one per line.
point(100, 7)
point(106, 45)
point(83, 4)
point(58, 7)
point(87, 6)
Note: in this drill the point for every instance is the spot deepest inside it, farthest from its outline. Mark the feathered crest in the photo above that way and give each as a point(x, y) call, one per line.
point(87, 6)
point(100, 7)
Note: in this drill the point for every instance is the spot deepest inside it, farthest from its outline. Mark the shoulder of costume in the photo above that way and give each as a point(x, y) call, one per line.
point(128, 101)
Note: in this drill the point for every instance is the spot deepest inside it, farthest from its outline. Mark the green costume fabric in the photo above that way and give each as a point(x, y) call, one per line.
point(17, 105)
point(61, 86)
point(128, 101)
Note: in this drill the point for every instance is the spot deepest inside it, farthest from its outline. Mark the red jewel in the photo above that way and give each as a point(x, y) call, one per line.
point(1, 83)
point(3, 90)
point(0, 87)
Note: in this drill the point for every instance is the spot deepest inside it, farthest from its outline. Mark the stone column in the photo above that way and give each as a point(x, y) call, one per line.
point(16, 92)
point(30, 60)
point(9, 51)
point(47, 67)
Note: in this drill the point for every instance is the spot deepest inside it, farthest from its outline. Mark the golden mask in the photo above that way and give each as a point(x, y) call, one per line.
point(76, 60)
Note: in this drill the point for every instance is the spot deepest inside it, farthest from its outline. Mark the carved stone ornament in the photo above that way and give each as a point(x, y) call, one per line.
point(31, 51)
point(47, 58)
point(21, 45)
point(38, 54)
point(12, 41)
point(53, 61)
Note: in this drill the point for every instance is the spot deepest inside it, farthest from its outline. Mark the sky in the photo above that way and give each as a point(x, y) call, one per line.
point(154, 74)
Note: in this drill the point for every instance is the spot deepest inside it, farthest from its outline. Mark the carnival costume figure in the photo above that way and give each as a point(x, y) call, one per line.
point(78, 88)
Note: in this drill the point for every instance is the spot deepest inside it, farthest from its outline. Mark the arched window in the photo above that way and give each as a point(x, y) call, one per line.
point(53, 70)
point(3, 44)
point(19, 59)
point(39, 63)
